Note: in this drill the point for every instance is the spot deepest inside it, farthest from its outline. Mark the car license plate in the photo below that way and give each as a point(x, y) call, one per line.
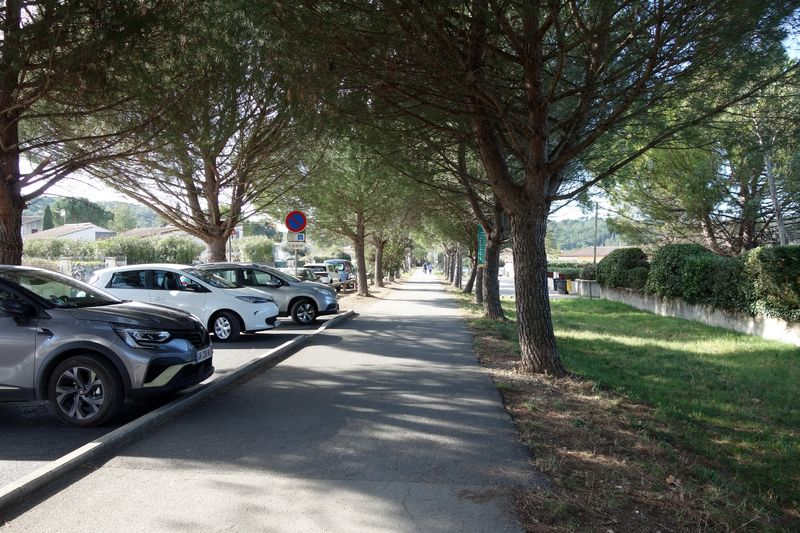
point(204, 354)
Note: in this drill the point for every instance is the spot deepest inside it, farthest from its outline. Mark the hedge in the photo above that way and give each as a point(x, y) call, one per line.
point(178, 250)
point(136, 251)
point(624, 267)
point(558, 266)
point(589, 272)
point(166, 250)
point(256, 249)
point(774, 281)
point(666, 267)
point(715, 280)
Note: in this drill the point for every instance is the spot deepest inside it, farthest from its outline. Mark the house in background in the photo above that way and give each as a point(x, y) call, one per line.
point(85, 231)
point(31, 224)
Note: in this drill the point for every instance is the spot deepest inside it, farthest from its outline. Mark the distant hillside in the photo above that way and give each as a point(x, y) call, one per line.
point(145, 218)
point(579, 233)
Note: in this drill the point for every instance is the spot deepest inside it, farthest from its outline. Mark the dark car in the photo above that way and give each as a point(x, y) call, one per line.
point(85, 351)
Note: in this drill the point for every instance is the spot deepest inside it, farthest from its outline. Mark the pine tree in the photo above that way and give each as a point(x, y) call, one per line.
point(47, 222)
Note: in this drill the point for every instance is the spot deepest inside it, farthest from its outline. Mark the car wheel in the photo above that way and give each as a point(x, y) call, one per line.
point(225, 326)
point(85, 391)
point(304, 312)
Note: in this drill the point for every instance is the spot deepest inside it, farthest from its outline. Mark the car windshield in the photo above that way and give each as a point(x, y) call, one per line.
point(59, 290)
point(212, 279)
point(285, 276)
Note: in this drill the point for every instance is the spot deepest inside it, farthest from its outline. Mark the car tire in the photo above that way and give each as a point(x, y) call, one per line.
point(304, 311)
point(225, 326)
point(85, 391)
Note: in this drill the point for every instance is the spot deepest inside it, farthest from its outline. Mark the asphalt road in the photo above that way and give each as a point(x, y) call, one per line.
point(31, 436)
point(386, 423)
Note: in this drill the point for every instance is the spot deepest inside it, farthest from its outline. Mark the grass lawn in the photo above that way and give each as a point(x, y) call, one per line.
point(713, 412)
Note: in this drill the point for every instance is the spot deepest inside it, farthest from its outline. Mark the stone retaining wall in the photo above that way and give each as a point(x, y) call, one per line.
point(765, 327)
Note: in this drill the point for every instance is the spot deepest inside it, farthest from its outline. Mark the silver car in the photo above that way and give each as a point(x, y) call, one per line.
point(304, 301)
point(85, 351)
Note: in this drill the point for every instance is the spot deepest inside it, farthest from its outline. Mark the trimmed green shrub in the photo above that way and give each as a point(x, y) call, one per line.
point(589, 272)
point(45, 248)
point(774, 277)
point(665, 270)
point(136, 251)
point(82, 250)
point(255, 249)
point(569, 273)
point(558, 266)
point(180, 250)
point(636, 278)
point(613, 270)
point(714, 280)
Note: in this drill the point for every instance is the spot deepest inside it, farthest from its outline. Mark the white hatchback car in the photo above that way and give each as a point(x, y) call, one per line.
point(228, 309)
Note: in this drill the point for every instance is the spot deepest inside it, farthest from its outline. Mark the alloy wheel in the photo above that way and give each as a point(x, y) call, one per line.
point(305, 312)
point(80, 393)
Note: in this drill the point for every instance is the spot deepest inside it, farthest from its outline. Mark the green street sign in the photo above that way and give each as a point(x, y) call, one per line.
point(481, 245)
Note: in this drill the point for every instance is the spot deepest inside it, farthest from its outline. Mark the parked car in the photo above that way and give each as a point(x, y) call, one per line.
point(227, 309)
point(304, 301)
point(85, 350)
point(303, 274)
point(345, 272)
point(325, 273)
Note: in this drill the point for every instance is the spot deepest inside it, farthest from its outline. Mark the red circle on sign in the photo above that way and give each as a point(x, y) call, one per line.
point(296, 221)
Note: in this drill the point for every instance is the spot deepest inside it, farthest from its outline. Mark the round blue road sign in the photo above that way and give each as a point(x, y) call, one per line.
point(296, 221)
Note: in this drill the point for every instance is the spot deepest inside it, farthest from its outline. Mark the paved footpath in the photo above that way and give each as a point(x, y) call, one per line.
point(384, 424)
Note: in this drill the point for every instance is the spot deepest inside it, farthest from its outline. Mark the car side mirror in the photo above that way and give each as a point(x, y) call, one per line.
point(274, 284)
point(17, 308)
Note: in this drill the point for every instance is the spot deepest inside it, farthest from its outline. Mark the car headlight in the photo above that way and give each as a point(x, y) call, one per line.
point(142, 338)
point(255, 299)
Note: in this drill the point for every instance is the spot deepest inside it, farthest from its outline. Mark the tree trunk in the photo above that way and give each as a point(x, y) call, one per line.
point(217, 248)
point(379, 245)
point(536, 338)
point(783, 238)
point(472, 273)
point(446, 264)
point(11, 202)
point(361, 260)
point(452, 276)
point(491, 281)
point(459, 267)
point(479, 285)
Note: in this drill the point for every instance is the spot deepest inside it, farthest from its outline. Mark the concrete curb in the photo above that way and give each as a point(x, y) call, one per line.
point(14, 492)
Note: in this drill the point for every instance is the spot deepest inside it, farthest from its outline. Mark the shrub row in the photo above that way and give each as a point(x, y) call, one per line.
point(765, 281)
point(164, 250)
point(774, 281)
point(255, 249)
point(624, 267)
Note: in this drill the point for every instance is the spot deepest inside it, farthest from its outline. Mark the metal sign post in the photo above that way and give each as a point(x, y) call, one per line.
point(296, 238)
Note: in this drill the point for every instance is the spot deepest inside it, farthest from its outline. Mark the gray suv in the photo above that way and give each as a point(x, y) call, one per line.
point(304, 301)
point(85, 351)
